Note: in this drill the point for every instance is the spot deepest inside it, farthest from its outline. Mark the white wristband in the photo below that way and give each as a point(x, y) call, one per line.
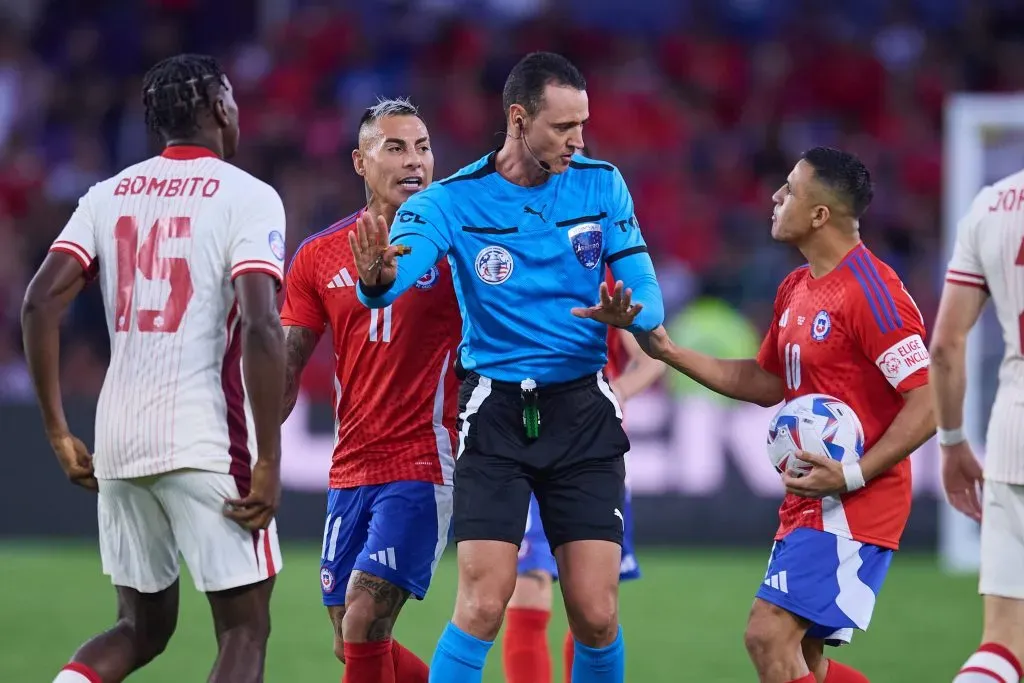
point(951, 437)
point(854, 476)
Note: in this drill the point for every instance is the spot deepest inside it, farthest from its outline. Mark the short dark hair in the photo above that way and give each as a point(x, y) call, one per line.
point(844, 174)
point(176, 89)
point(398, 106)
point(526, 82)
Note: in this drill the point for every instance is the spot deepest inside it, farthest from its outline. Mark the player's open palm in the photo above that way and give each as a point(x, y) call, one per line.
point(75, 460)
point(963, 479)
point(615, 307)
point(376, 259)
point(257, 510)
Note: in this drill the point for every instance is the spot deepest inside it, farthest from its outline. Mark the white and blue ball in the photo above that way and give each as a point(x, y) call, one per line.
point(815, 423)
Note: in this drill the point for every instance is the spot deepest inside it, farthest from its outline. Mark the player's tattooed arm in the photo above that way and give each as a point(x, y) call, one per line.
point(381, 602)
point(299, 343)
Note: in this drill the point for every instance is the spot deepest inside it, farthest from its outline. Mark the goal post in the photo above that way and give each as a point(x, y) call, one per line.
point(976, 128)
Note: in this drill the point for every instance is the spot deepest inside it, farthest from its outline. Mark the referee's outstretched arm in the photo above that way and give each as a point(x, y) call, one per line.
point(385, 269)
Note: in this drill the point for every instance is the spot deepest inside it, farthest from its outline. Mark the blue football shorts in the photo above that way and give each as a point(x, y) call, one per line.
point(831, 581)
point(395, 531)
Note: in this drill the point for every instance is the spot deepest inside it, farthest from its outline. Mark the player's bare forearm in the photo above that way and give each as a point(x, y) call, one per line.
point(741, 379)
point(948, 382)
point(299, 343)
point(913, 425)
point(959, 310)
point(263, 359)
point(55, 285)
point(641, 372)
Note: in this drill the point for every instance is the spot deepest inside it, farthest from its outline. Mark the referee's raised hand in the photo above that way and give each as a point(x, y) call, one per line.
point(375, 257)
point(615, 307)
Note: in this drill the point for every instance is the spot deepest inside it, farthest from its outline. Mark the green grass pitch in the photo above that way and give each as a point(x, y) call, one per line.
point(683, 621)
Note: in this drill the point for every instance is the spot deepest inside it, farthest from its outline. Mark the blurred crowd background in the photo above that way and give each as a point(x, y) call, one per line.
point(704, 105)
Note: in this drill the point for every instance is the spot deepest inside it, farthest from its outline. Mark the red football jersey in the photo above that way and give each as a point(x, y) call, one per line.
point(855, 334)
point(395, 390)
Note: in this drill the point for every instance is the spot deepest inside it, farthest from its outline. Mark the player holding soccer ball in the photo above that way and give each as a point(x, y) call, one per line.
point(844, 326)
point(987, 263)
point(390, 500)
point(188, 250)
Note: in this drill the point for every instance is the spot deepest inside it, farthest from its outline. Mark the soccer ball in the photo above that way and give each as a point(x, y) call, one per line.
point(815, 423)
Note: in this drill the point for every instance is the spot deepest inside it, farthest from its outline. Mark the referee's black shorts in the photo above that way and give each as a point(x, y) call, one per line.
point(576, 466)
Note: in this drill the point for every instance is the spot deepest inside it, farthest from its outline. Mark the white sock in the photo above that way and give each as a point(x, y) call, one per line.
point(69, 676)
point(992, 663)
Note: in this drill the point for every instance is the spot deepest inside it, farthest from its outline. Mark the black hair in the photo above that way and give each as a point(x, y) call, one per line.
point(399, 106)
point(176, 89)
point(526, 82)
point(844, 174)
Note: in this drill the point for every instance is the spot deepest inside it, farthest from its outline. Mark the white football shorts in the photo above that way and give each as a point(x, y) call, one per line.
point(1002, 541)
point(145, 522)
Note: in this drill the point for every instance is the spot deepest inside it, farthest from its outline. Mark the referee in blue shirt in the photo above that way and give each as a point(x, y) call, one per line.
point(528, 231)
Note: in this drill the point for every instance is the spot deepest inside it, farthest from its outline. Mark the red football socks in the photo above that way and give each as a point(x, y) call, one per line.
point(568, 652)
point(369, 663)
point(841, 673)
point(524, 649)
point(408, 667)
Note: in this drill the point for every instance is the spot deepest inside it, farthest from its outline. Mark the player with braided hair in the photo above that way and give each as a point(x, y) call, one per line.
point(188, 251)
point(179, 90)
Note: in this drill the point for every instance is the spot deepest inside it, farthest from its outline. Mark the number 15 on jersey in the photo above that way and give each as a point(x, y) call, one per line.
point(145, 259)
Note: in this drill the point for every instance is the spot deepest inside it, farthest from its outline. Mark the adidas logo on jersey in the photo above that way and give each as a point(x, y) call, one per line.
point(386, 557)
point(341, 279)
point(778, 581)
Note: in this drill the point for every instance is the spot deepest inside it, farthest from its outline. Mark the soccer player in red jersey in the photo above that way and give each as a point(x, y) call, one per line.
point(844, 325)
point(526, 657)
point(396, 394)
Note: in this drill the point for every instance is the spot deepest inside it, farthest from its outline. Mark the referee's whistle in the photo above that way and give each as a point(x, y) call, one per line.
point(402, 249)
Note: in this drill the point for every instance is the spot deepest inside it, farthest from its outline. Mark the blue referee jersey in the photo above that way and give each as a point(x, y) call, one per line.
point(522, 258)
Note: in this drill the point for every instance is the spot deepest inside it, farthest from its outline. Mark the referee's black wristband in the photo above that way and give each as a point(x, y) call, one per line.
point(374, 291)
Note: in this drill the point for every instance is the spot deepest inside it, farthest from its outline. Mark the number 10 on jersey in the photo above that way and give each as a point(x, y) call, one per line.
point(792, 366)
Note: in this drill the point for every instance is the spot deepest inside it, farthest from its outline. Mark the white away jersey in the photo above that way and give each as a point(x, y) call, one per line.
point(989, 254)
point(166, 238)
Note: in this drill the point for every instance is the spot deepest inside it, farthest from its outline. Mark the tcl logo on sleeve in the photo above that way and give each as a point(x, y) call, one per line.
point(903, 359)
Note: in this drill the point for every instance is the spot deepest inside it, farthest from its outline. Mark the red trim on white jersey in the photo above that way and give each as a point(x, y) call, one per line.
point(187, 152)
point(76, 250)
point(962, 277)
point(253, 266)
point(234, 397)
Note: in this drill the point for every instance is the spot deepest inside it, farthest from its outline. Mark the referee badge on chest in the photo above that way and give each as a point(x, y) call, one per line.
point(494, 265)
point(586, 240)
